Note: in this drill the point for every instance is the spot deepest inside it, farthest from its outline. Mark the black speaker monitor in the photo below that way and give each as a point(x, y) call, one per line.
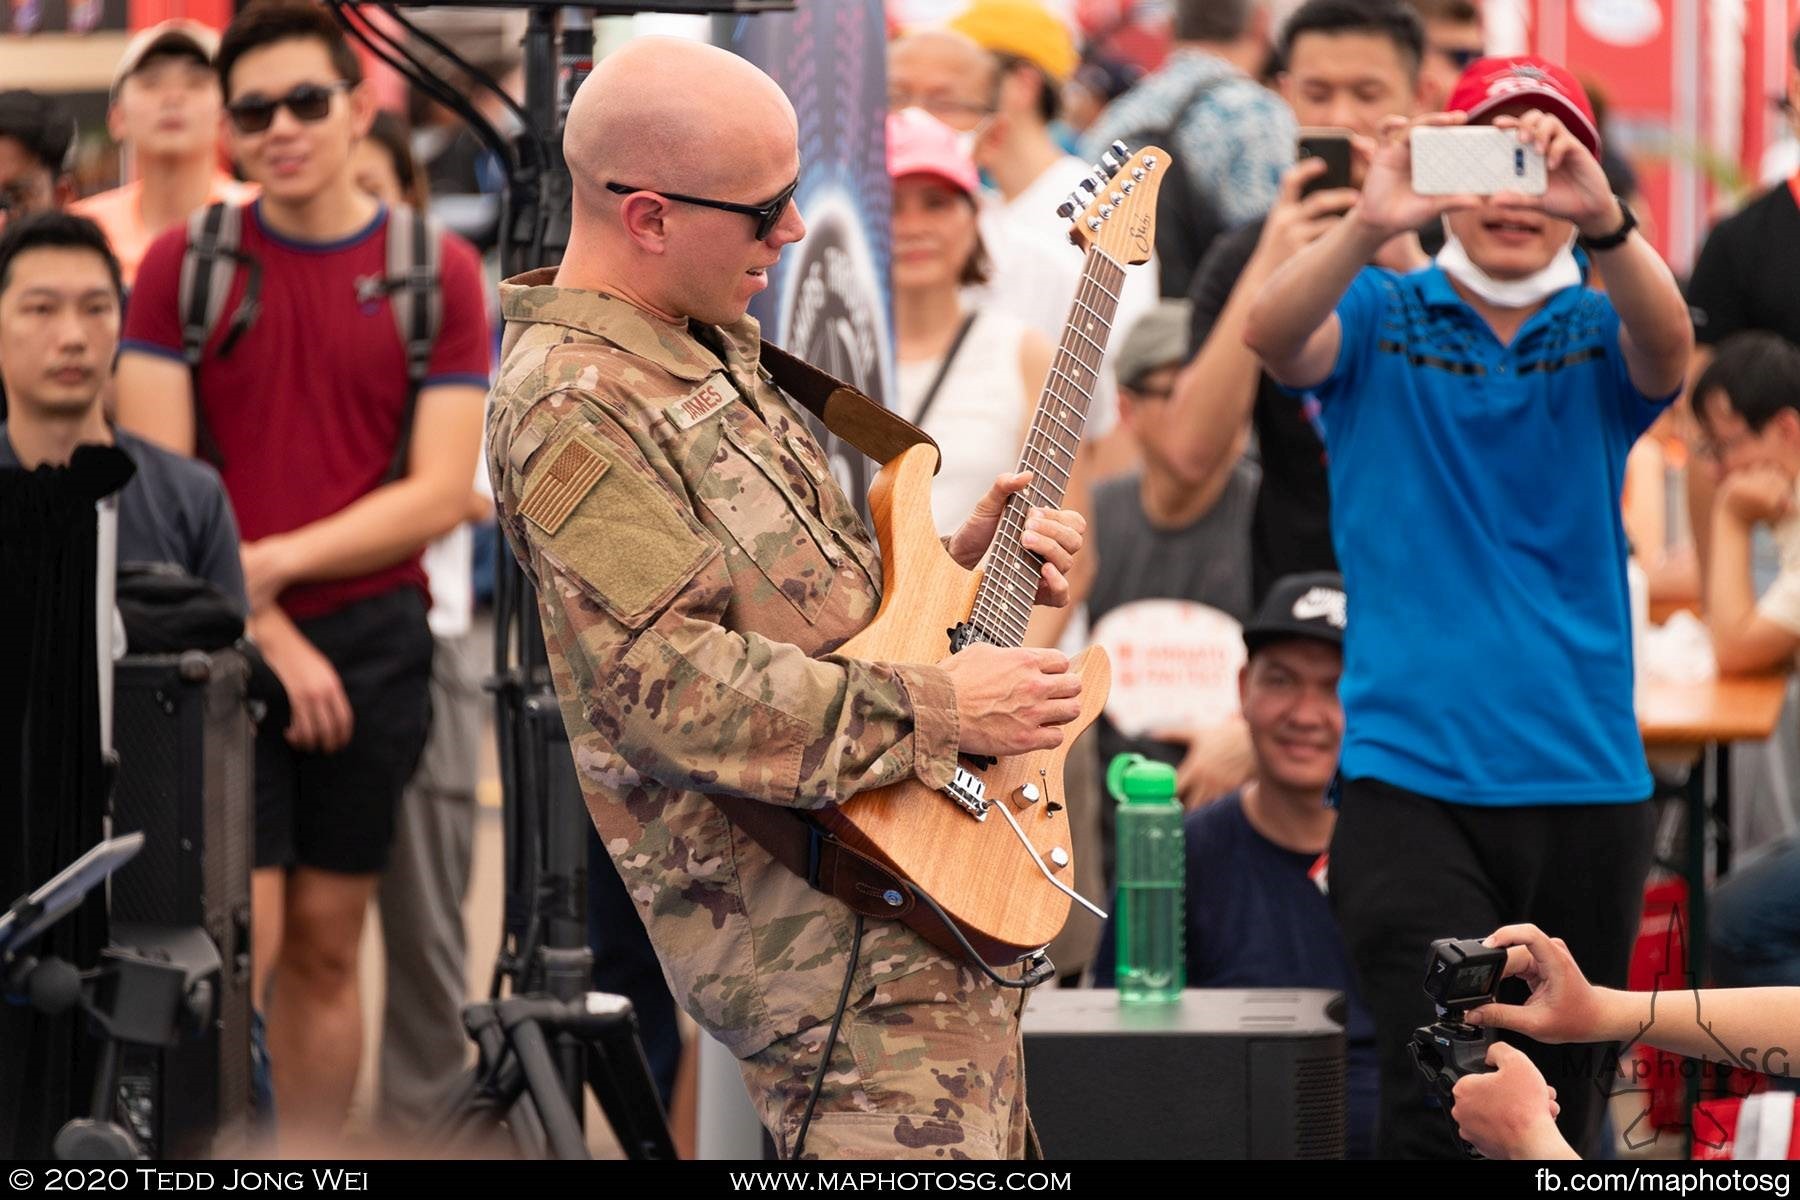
point(1221, 1074)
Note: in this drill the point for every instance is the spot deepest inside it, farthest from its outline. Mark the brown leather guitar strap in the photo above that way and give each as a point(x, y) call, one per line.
point(826, 864)
point(877, 432)
point(792, 838)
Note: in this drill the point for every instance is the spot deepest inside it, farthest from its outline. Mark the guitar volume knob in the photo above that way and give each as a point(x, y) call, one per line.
point(1029, 794)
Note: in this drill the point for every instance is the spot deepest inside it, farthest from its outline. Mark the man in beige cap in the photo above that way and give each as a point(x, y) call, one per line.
point(166, 111)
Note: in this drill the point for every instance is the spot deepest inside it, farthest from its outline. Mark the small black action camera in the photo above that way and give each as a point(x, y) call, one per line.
point(1460, 975)
point(1463, 975)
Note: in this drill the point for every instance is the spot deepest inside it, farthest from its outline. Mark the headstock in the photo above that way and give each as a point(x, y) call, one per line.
point(1117, 204)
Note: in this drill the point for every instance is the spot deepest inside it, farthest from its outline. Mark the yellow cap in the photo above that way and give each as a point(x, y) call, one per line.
point(1023, 29)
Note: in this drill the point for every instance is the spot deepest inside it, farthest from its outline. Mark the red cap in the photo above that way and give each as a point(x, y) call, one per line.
point(1490, 83)
point(920, 144)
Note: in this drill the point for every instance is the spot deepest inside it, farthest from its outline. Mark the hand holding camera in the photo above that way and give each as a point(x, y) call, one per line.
point(1564, 1006)
point(1390, 204)
point(1509, 1112)
point(1305, 211)
point(1440, 163)
point(1460, 976)
point(1575, 186)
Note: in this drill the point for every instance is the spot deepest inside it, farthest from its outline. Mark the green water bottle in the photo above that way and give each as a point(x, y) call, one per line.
point(1152, 861)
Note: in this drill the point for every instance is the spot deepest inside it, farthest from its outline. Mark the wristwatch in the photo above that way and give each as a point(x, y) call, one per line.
point(1614, 240)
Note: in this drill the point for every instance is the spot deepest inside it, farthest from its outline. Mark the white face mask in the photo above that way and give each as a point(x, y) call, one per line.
point(1559, 273)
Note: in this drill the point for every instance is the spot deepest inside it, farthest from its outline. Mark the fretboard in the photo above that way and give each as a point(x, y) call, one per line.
point(1003, 603)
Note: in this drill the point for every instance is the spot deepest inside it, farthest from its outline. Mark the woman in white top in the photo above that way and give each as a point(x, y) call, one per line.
point(970, 379)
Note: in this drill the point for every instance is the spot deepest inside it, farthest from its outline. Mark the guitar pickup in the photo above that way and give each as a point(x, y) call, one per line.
point(969, 793)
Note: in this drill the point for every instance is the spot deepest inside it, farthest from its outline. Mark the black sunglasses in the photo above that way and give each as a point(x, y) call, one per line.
point(309, 102)
point(1462, 56)
point(767, 215)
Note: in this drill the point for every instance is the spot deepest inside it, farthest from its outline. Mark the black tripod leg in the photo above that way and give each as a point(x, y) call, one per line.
point(620, 1077)
point(544, 1082)
point(492, 1094)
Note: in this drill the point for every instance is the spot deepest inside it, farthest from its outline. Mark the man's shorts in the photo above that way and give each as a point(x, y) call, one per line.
point(335, 812)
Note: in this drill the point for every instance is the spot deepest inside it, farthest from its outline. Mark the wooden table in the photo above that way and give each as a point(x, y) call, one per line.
point(1683, 719)
point(1695, 724)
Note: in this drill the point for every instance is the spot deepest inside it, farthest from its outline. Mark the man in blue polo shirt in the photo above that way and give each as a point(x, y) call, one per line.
point(1477, 415)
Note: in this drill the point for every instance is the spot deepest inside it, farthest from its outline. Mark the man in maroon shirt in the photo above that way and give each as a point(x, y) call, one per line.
point(306, 409)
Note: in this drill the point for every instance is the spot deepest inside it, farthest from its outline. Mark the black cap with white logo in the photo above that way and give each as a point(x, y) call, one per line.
point(1300, 606)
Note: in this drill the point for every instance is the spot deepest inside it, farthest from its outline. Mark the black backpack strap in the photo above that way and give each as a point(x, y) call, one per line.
point(1187, 220)
point(209, 267)
point(414, 275)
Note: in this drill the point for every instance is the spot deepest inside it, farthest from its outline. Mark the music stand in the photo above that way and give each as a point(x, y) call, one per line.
point(32, 914)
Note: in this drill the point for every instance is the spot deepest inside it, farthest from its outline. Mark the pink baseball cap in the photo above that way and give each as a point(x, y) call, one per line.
point(1490, 83)
point(920, 144)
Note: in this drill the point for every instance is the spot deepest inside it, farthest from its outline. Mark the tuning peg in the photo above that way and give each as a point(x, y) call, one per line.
point(1085, 191)
point(1117, 199)
point(1101, 179)
point(1110, 163)
point(1119, 150)
point(1068, 208)
point(1149, 162)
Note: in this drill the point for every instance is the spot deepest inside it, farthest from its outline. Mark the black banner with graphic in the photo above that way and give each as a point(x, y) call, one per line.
point(828, 298)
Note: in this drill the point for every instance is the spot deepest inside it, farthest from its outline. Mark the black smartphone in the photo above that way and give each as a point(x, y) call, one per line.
point(1332, 145)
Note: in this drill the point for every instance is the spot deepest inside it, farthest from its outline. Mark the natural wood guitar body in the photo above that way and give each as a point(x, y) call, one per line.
point(979, 872)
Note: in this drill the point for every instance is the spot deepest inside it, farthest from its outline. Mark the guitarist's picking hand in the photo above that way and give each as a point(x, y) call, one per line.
point(1054, 535)
point(1010, 700)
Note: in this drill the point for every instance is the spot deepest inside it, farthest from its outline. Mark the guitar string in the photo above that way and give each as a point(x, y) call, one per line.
point(1010, 589)
point(1013, 594)
point(1005, 607)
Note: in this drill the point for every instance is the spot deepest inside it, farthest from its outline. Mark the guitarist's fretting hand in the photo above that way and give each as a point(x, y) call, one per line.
point(1010, 700)
point(1054, 535)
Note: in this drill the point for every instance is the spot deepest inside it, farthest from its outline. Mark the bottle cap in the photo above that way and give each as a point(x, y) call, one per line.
point(1134, 779)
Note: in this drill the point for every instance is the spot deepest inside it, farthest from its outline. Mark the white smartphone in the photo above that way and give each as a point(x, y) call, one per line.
point(1450, 160)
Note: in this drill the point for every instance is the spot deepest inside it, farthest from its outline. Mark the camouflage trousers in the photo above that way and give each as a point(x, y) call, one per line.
point(927, 1066)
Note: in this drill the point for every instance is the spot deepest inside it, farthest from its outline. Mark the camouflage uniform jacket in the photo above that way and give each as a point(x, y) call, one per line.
point(696, 563)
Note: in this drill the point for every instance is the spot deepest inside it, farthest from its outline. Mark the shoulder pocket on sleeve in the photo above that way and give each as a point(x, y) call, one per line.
point(613, 533)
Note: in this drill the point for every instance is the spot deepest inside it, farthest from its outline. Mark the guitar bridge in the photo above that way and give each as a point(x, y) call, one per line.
point(969, 793)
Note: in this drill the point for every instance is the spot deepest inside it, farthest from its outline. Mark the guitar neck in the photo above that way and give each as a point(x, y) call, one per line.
point(1004, 602)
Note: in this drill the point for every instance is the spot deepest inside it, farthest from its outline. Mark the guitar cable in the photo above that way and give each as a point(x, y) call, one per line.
point(1043, 971)
point(830, 1040)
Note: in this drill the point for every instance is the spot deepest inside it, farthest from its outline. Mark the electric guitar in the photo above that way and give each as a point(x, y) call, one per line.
point(993, 849)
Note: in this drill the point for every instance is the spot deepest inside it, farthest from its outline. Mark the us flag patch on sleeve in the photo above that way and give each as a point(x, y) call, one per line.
point(564, 483)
